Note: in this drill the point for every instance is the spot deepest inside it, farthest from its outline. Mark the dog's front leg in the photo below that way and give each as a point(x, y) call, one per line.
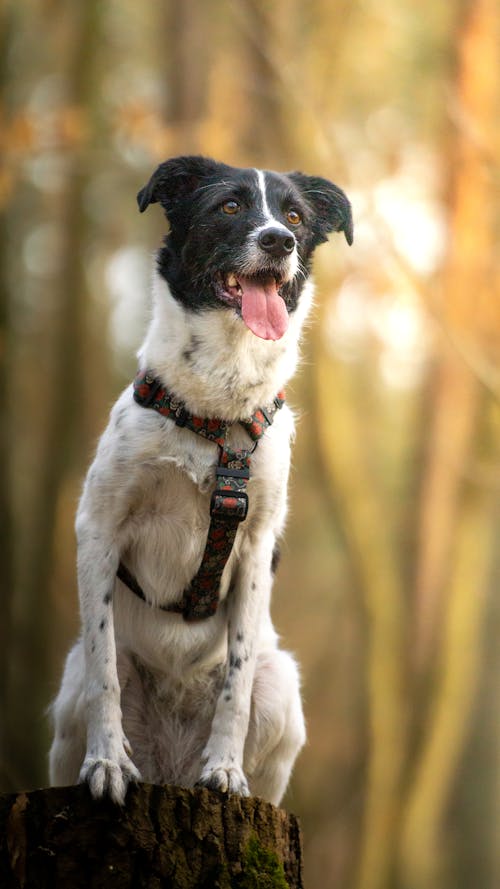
point(107, 767)
point(222, 759)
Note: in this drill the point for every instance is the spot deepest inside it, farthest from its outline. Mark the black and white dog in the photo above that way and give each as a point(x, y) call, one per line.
point(147, 693)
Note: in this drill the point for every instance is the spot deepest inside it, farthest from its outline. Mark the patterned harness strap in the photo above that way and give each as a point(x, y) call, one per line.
point(229, 503)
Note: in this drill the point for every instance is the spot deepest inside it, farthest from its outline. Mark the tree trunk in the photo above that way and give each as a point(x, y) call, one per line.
point(163, 837)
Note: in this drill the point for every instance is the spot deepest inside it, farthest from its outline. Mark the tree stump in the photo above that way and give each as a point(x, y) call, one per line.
point(163, 837)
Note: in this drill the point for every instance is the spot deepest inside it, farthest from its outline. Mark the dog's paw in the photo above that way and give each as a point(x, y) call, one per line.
point(226, 779)
point(109, 777)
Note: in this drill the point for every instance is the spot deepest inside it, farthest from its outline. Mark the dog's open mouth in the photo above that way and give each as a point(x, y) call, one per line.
point(258, 299)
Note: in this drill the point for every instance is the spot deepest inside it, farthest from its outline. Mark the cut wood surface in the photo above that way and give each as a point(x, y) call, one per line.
point(163, 837)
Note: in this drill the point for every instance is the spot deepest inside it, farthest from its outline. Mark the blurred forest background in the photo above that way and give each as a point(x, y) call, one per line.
point(388, 589)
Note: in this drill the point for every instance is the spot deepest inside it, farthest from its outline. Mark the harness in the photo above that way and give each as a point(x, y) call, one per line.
point(229, 502)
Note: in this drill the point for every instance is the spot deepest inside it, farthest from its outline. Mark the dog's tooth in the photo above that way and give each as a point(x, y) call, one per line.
point(231, 280)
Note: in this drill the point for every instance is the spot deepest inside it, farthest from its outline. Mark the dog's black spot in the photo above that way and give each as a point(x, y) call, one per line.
point(276, 557)
point(227, 697)
point(191, 350)
point(105, 686)
point(92, 647)
point(107, 598)
point(239, 637)
point(254, 586)
point(102, 624)
point(234, 662)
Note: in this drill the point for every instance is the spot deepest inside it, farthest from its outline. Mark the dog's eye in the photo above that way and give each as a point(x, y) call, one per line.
point(293, 217)
point(231, 207)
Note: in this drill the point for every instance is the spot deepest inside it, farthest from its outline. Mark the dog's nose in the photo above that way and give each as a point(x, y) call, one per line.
point(276, 241)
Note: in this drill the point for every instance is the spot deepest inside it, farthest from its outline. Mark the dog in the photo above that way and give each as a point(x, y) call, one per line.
point(165, 684)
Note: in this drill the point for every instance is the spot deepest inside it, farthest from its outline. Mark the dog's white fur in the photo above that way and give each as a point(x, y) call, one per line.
point(144, 693)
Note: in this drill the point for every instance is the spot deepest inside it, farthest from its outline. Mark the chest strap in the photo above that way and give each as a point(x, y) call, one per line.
point(229, 502)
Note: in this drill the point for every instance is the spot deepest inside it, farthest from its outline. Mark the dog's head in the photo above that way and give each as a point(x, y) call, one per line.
point(242, 239)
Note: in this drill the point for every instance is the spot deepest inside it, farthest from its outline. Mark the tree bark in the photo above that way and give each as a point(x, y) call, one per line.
point(163, 837)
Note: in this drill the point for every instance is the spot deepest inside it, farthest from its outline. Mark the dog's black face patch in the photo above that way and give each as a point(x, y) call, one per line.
point(241, 237)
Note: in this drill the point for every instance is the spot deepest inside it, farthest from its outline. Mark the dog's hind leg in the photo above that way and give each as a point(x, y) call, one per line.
point(68, 713)
point(276, 731)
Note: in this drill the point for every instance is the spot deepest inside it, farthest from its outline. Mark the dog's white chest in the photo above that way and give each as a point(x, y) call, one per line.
point(166, 529)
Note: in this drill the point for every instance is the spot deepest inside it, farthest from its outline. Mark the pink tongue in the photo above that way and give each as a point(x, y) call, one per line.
point(263, 309)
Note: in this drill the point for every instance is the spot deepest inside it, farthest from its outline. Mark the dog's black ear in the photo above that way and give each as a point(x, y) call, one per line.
point(175, 179)
point(332, 209)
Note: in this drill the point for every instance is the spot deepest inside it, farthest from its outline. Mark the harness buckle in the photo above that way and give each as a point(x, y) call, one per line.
point(229, 505)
